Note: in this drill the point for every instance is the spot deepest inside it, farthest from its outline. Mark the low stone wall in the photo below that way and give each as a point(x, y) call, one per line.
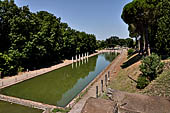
point(28, 103)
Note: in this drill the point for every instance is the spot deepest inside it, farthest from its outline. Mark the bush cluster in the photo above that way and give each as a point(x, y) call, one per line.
point(150, 67)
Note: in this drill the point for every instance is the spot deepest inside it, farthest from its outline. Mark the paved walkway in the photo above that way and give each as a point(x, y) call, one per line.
point(115, 65)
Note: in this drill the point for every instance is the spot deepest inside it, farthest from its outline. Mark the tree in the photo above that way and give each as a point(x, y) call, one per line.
point(149, 19)
point(112, 41)
point(29, 40)
point(162, 37)
point(140, 14)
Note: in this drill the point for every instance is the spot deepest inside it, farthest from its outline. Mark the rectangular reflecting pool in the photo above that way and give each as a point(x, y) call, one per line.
point(60, 86)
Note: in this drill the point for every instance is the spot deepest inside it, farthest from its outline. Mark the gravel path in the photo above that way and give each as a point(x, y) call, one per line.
point(113, 67)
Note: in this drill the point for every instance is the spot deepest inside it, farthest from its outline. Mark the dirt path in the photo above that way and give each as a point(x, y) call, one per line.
point(113, 68)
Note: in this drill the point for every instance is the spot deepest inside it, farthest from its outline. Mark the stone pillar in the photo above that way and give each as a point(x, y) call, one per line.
point(82, 56)
point(76, 58)
point(106, 80)
point(79, 57)
point(79, 62)
point(96, 91)
point(72, 60)
point(108, 76)
point(102, 86)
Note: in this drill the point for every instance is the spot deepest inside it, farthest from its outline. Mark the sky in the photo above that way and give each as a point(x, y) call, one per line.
point(99, 17)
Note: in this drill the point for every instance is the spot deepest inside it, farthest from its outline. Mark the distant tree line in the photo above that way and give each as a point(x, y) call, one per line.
point(114, 41)
point(29, 40)
point(149, 23)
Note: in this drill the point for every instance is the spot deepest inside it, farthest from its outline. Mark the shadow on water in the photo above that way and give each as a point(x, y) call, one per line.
point(131, 61)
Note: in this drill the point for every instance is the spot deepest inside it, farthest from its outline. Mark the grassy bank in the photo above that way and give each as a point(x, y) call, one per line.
point(121, 81)
point(159, 87)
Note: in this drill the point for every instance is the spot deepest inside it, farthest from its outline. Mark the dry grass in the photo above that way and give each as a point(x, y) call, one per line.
point(122, 82)
point(158, 87)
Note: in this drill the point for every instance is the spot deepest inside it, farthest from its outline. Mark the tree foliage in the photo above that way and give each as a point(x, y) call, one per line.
point(151, 66)
point(149, 19)
point(114, 41)
point(29, 40)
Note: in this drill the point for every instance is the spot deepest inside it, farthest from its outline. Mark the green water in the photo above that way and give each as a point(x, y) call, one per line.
point(60, 86)
point(6, 107)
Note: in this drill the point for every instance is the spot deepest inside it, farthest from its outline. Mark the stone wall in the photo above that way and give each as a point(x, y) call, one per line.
point(28, 103)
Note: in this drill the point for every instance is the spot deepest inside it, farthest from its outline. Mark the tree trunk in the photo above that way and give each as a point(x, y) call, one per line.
point(147, 41)
point(144, 43)
point(136, 43)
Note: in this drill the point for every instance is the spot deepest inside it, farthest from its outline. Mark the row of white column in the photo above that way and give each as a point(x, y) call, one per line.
point(81, 57)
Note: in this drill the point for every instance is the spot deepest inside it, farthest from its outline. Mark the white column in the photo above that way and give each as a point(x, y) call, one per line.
point(82, 56)
point(76, 58)
point(72, 60)
point(79, 62)
point(79, 58)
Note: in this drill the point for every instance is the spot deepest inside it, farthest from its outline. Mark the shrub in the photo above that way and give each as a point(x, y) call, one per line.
point(151, 66)
point(130, 52)
point(142, 82)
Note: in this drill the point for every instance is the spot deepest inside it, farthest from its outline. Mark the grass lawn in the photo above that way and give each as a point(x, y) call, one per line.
point(6, 107)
